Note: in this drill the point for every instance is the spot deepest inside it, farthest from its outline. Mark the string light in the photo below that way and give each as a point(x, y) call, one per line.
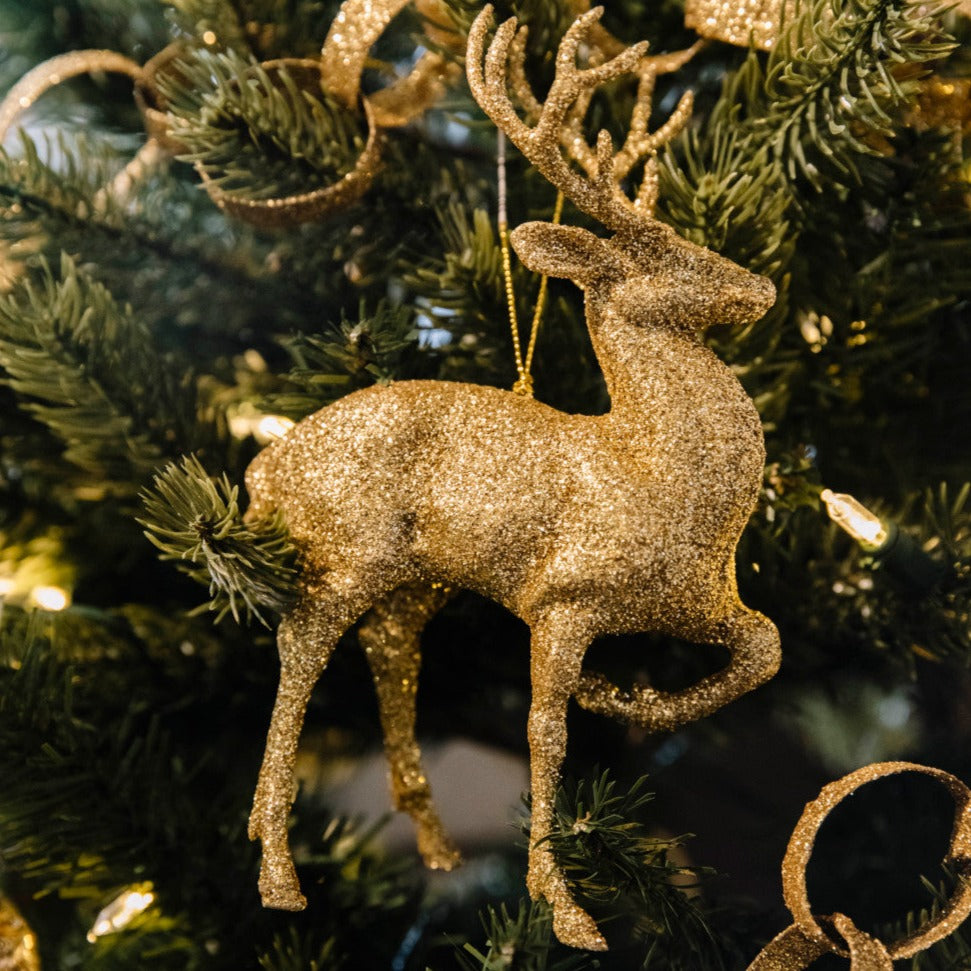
point(891, 548)
point(264, 428)
point(852, 516)
point(50, 598)
point(271, 427)
point(122, 910)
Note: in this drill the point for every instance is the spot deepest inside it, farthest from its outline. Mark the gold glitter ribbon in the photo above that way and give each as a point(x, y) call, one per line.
point(740, 22)
point(52, 72)
point(355, 29)
point(358, 24)
point(150, 101)
point(283, 211)
point(806, 940)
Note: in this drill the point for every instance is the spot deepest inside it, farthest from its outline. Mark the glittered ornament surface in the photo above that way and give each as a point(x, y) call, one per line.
point(810, 937)
point(18, 944)
point(579, 525)
point(346, 49)
point(742, 22)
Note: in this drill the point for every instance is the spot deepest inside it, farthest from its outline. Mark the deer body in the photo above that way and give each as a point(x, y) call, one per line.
point(434, 482)
point(582, 526)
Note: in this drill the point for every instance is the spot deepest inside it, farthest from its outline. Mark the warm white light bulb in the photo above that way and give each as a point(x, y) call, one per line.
point(121, 910)
point(272, 427)
point(852, 516)
point(50, 598)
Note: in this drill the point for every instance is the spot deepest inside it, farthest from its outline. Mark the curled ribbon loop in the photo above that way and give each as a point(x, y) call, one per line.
point(52, 72)
point(806, 940)
point(315, 204)
point(55, 70)
point(151, 102)
point(358, 24)
point(355, 29)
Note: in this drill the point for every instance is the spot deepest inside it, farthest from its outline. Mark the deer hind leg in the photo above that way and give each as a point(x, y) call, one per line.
point(753, 641)
point(559, 641)
point(390, 636)
point(306, 639)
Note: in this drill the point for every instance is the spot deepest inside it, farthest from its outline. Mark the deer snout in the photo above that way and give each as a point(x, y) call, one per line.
point(746, 302)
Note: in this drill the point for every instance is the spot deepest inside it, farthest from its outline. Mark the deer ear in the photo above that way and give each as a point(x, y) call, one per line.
point(565, 251)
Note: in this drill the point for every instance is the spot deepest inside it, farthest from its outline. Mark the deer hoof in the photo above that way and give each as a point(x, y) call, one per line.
point(440, 854)
point(283, 899)
point(281, 890)
point(574, 927)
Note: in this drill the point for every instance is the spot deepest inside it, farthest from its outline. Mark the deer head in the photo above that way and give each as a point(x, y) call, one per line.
point(645, 274)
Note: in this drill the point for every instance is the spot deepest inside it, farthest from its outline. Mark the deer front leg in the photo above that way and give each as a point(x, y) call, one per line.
point(755, 656)
point(559, 641)
point(390, 636)
point(306, 639)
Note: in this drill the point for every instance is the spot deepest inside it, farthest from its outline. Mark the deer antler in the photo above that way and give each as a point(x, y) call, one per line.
point(597, 189)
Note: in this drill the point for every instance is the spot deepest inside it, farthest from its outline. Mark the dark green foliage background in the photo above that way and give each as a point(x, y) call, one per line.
point(137, 331)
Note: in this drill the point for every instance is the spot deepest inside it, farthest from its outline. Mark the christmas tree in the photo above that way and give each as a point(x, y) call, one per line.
point(218, 217)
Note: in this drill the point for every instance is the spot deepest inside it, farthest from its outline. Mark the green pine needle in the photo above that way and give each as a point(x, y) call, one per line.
point(351, 355)
point(195, 521)
point(86, 368)
point(610, 857)
point(294, 952)
point(833, 83)
point(258, 135)
point(522, 941)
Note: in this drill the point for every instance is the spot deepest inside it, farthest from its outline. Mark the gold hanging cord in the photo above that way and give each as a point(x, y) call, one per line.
point(524, 383)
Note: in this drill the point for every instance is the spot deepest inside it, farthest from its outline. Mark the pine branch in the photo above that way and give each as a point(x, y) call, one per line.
point(361, 901)
point(522, 941)
point(257, 135)
point(833, 82)
point(717, 194)
point(44, 211)
point(86, 369)
point(467, 278)
point(352, 355)
point(54, 756)
point(858, 611)
point(605, 849)
point(719, 197)
point(624, 875)
point(195, 521)
point(294, 952)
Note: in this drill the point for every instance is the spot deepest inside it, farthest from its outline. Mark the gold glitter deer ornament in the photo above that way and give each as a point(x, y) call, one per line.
point(582, 526)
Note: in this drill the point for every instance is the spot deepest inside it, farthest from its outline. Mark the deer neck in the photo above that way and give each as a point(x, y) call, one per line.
point(654, 373)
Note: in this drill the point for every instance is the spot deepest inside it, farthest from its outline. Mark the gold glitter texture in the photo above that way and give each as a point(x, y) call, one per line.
point(58, 69)
point(18, 944)
point(942, 103)
point(803, 942)
point(358, 24)
point(284, 211)
point(582, 526)
point(52, 72)
point(740, 22)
